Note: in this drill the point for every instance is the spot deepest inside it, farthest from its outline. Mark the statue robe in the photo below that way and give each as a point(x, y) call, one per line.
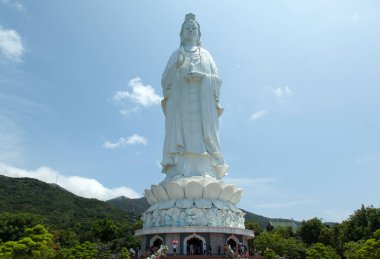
point(192, 111)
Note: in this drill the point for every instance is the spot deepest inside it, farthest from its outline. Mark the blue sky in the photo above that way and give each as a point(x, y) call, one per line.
point(80, 90)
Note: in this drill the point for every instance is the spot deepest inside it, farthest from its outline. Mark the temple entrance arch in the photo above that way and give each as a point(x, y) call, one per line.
point(193, 244)
point(232, 241)
point(156, 241)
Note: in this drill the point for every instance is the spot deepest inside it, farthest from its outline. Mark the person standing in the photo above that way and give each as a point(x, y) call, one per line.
point(204, 248)
point(175, 248)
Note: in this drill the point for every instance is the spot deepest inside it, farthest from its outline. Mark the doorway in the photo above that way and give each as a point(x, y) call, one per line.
point(194, 246)
point(157, 243)
point(232, 243)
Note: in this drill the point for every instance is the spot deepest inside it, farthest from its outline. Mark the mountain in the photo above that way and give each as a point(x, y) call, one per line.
point(57, 207)
point(63, 210)
point(138, 206)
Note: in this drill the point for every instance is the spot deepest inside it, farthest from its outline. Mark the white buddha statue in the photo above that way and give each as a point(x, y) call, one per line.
point(191, 85)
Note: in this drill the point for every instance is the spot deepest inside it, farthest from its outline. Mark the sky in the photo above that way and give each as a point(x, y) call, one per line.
point(80, 97)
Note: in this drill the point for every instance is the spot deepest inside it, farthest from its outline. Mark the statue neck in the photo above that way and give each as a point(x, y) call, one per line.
point(189, 46)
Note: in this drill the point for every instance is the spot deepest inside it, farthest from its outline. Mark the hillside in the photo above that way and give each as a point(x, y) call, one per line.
point(57, 207)
point(62, 209)
point(137, 206)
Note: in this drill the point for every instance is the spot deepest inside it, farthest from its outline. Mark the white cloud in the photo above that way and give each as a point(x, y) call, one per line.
point(11, 46)
point(84, 187)
point(282, 92)
point(131, 140)
point(258, 114)
point(143, 95)
point(126, 112)
point(14, 4)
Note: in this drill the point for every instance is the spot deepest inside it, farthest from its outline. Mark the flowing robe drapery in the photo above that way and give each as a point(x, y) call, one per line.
point(192, 113)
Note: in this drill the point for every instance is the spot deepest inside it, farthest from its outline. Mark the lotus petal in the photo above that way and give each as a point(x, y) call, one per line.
point(220, 204)
point(233, 207)
point(227, 192)
point(185, 203)
point(160, 193)
point(203, 203)
point(236, 196)
point(150, 197)
point(174, 190)
point(194, 190)
point(153, 207)
point(212, 191)
point(167, 204)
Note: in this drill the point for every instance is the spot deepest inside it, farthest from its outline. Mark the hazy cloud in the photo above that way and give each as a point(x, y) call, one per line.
point(140, 94)
point(11, 46)
point(355, 17)
point(258, 115)
point(14, 4)
point(131, 140)
point(282, 92)
point(334, 215)
point(276, 205)
point(81, 186)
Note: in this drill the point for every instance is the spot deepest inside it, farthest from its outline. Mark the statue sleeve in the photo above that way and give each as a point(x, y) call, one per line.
point(167, 80)
point(167, 76)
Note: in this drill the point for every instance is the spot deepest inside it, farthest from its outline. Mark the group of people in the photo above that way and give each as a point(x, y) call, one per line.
point(197, 249)
point(135, 252)
point(239, 251)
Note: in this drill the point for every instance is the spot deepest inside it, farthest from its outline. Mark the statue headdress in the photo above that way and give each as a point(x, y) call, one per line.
point(191, 17)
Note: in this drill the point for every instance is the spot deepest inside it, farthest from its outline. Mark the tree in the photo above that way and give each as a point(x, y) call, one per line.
point(326, 236)
point(269, 227)
point(361, 224)
point(66, 238)
point(269, 254)
point(351, 249)
point(13, 225)
point(289, 247)
point(105, 230)
point(124, 253)
point(254, 226)
point(284, 232)
point(376, 234)
point(86, 250)
point(320, 251)
point(364, 249)
point(35, 244)
point(310, 230)
point(370, 249)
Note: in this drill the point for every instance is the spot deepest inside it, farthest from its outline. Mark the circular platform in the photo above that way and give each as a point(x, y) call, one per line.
point(196, 229)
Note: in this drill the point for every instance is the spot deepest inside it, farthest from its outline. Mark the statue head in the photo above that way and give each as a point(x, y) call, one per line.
point(190, 30)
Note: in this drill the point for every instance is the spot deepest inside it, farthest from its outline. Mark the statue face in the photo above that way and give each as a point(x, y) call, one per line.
point(190, 32)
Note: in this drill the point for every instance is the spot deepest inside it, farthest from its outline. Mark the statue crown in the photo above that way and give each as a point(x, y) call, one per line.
point(189, 17)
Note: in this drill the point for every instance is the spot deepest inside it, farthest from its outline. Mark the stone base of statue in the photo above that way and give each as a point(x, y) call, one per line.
point(193, 201)
point(192, 237)
point(193, 210)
